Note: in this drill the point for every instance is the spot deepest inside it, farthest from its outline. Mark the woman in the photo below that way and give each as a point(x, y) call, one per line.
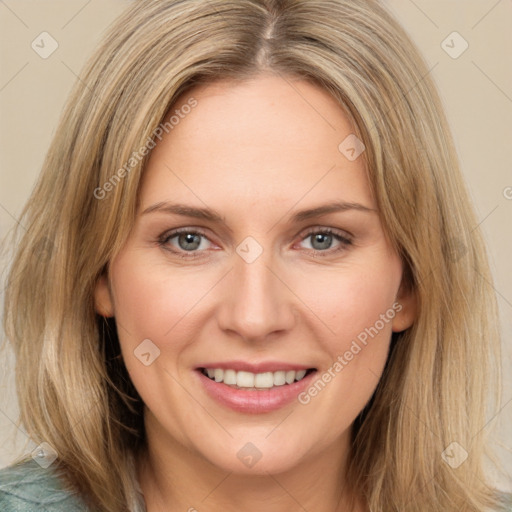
point(250, 275)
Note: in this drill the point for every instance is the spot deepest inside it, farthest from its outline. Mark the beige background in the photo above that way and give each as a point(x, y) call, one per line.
point(476, 89)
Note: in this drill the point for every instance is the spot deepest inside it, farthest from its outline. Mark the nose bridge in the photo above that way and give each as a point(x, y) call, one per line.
point(257, 301)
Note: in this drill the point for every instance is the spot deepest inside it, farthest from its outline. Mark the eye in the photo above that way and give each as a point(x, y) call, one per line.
point(183, 241)
point(323, 238)
point(192, 243)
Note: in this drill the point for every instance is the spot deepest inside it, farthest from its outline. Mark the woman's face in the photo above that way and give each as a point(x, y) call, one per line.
point(281, 268)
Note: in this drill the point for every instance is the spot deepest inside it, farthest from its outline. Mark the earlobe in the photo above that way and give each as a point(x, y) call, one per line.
point(103, 303)
point(406, 310)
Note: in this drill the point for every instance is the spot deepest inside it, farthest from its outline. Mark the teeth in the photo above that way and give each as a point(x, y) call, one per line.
point(245, 380)
point(279, 378)
point(230, 377)
point(300, 374)
point(290, 376)
point(264, 380)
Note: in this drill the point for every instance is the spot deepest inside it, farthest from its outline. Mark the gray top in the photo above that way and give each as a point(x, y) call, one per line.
point(27, 487)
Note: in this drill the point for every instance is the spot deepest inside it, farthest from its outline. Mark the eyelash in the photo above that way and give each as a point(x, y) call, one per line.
point(164, 239)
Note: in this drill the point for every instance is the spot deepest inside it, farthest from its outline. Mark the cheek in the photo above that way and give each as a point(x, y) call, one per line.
point(358, 307)
point(150, 299)
point(150, 305)
point(353, 299)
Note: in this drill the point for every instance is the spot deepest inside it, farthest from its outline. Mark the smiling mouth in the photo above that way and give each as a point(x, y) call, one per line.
point(255, 381)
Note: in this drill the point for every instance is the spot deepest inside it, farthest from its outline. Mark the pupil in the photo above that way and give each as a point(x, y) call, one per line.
point(326, 239)
point(188, 238)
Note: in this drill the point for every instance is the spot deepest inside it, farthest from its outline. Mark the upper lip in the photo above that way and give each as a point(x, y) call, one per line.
point(261, 367)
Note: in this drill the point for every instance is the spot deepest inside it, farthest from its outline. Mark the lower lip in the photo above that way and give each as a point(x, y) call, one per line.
point(254, 401)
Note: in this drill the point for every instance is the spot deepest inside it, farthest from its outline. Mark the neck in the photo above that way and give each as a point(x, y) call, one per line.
point(174, 478)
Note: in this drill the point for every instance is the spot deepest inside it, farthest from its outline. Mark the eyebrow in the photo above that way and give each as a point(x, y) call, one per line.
point(213, 216)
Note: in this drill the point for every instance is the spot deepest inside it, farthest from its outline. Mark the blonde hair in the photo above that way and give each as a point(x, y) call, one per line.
point(74, 391)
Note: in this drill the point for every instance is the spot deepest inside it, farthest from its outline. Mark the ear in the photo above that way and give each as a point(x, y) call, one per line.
point(103, 302)
point(406, 307)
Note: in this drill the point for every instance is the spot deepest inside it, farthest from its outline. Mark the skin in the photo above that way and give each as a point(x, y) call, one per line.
point(256, 152)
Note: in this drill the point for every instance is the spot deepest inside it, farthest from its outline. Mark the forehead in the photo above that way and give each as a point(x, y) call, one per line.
point(263, 140)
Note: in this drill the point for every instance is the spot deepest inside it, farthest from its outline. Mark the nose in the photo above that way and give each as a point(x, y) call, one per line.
point(258, 301)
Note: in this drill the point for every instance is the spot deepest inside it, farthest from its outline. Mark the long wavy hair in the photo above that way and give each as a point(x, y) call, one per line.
point(74, 391)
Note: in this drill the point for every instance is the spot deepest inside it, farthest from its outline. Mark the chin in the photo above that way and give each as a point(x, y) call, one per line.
point(257, 453)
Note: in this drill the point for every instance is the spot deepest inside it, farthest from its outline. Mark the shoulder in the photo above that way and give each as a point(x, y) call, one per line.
point(27, 487)
point(505, 501)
